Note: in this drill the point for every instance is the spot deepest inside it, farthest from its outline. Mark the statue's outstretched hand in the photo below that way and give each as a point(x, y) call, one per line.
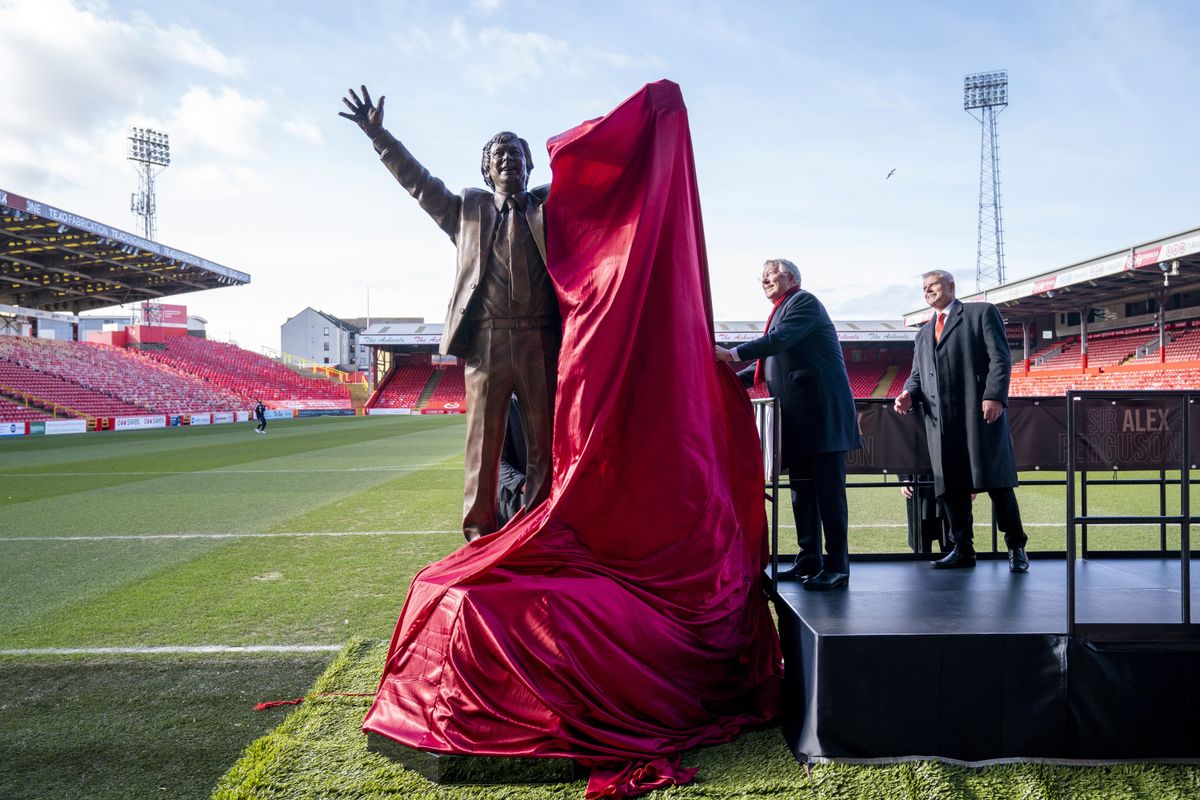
point(363, 113)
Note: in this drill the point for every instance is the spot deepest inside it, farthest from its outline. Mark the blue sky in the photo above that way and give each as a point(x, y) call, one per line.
point(798, 111)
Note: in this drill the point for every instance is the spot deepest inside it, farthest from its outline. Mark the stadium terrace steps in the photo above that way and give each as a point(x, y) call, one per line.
point(898, 380)
point(864, 377)
point(405, 386)
point(14, 411)
point(451, 387)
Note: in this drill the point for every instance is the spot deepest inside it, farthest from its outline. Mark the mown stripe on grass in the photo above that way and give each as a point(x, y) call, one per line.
point(159, 536)
point(108, 464)
point(172, 650)
point(249, 503)
point(217, 472)
point(243, 591)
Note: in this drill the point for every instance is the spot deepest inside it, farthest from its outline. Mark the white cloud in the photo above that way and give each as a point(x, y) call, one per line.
point(75, 67)
point(487, 6)
point(227, 123)
point(304, 129)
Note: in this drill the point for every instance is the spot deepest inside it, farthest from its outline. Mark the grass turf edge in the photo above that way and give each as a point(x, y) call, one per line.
point(319, 751)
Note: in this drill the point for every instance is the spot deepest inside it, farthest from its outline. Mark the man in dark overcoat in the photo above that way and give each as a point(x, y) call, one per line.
point(960, 376)
point(801, 360)
point(503, 319)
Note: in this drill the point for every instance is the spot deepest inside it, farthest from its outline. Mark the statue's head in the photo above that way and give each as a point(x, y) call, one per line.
point(507, 163)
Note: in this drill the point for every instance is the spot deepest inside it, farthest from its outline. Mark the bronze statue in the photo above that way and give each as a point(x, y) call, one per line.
point(503, 318)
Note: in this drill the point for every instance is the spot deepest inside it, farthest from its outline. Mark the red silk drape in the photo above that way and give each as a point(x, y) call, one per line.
point(623, 620)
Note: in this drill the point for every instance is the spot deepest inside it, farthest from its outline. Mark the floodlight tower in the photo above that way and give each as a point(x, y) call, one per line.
point(150, 152)
point(985, 95)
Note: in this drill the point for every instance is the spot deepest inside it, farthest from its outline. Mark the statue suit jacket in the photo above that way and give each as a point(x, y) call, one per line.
point(805, 370)
point(468, 219)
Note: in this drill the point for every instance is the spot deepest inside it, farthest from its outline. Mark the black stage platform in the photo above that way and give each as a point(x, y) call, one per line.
point(976, 665)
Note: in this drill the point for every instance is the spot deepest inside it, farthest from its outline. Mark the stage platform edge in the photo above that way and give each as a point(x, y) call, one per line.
point(975, 666)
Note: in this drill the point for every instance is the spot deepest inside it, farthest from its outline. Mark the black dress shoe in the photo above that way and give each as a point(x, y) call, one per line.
point(800, 569)
point(956, 559)
point(823, 581)
point(1017, 560)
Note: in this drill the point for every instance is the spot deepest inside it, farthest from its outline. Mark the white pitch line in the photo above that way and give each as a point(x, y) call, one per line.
point(154, 536)
point(409, 468)
point(173, 649)
point(335, 534)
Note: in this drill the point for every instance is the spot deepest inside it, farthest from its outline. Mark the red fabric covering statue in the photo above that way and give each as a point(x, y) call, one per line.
point(623, 620)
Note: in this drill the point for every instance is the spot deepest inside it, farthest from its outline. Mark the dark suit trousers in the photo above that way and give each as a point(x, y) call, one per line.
point(499, 363)
point(1008, 517)
point(818, 485)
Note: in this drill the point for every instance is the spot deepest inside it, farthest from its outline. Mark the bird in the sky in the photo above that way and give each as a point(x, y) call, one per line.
point(890, 174)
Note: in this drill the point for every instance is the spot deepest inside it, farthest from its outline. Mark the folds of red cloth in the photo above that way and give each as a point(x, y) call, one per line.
point(623, 620)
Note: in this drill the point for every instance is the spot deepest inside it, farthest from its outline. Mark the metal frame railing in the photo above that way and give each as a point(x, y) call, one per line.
point(770, 439)
point(1184, 628)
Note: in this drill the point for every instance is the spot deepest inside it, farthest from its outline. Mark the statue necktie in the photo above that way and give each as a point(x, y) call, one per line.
point(518, 281)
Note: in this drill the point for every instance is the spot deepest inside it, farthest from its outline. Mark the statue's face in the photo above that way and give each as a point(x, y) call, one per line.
point(507, 167)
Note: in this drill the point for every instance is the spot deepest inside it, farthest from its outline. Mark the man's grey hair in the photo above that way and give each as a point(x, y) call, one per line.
point(783, 265)
point(942, 275)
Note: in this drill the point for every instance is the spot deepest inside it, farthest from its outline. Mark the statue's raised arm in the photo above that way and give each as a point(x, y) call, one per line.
point(431, 194)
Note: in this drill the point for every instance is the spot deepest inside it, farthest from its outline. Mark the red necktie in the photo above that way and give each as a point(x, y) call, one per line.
point(937, 328)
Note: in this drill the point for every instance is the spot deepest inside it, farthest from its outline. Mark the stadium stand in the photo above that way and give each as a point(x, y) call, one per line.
point(1034, 385)
point(897, 385)
point(1182, 345)
point(54, 393)
point(1104, 350)
point(243, 374)
point(404, 388)
point(451, 389)
point(12, 411)
point(864, 376)
point(134, 384)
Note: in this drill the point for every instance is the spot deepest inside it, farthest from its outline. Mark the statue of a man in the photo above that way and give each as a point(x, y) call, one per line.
point(503, 319)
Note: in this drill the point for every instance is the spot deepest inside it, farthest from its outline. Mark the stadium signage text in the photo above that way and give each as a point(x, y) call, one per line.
point(129, 423)
point(12, 428)
point(104, 231)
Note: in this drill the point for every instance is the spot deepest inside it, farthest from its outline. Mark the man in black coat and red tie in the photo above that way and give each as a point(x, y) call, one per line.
point(800, 358)
point(960, 376)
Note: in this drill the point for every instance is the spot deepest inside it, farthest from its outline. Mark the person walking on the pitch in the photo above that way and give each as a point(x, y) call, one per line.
point(260, 414)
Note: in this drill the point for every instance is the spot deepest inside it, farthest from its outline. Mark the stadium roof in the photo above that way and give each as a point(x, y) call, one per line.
point(1137, 270)
point(53, 260)
point(405, 334)
point(862, 330)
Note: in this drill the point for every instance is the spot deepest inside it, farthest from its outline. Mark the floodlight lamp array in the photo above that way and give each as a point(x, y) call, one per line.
point(985, 90)
point(149, 146)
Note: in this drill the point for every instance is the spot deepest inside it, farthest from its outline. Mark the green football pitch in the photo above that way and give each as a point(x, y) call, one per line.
point(155, 585)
